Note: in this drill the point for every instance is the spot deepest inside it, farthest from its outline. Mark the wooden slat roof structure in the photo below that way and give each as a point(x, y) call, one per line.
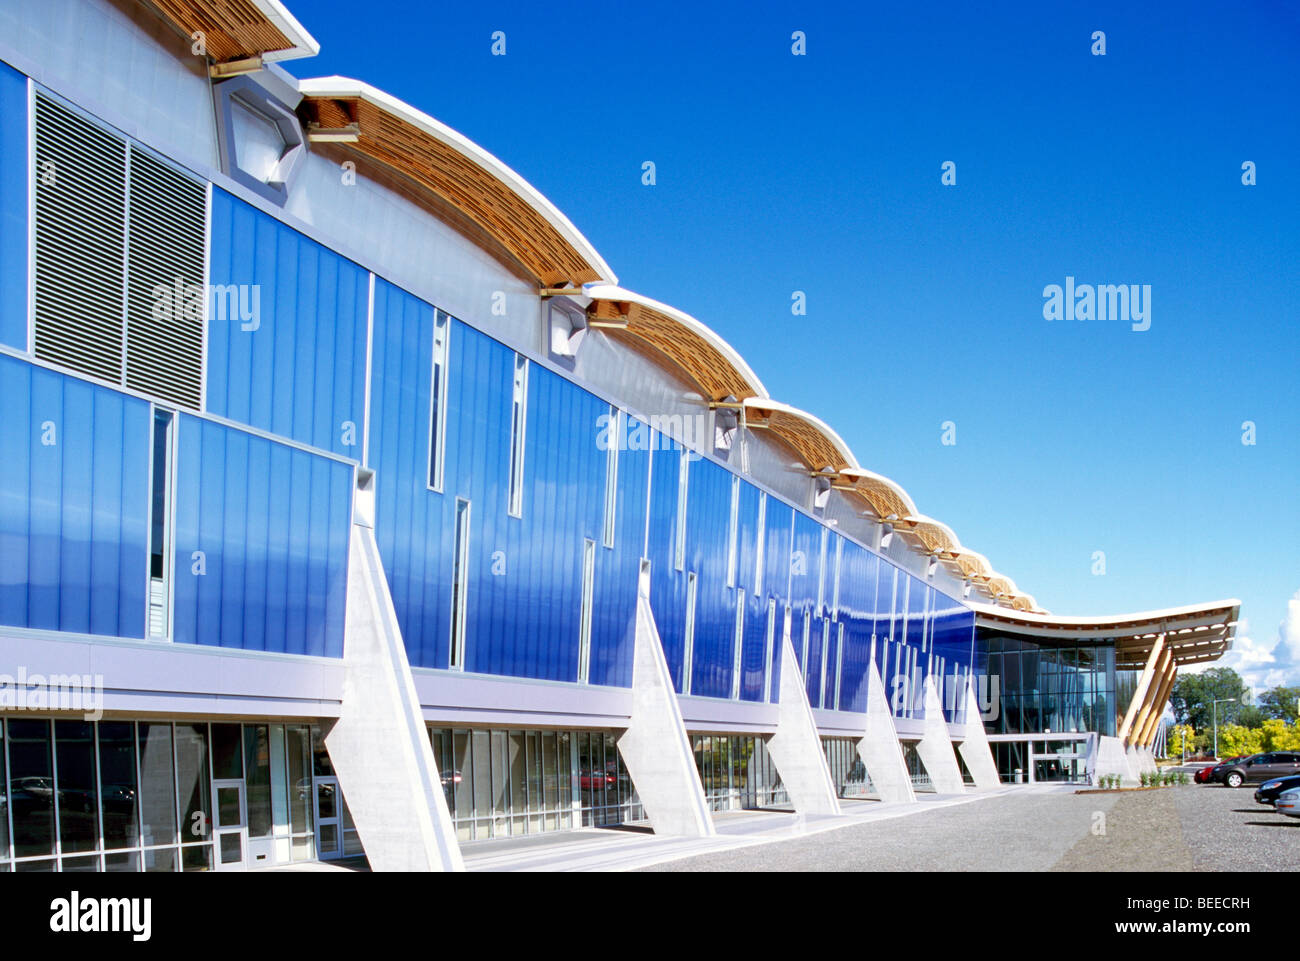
point(819, 447)
point(495, 198)
point(1193, 634)
point(885, 498)
point(240, 29)
point(709, 361)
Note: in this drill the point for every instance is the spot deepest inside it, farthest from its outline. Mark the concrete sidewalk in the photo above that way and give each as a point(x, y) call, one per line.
point(627, 849)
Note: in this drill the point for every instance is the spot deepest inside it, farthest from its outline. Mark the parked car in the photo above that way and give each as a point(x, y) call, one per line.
point(1268, 791)
point(1261, 767)
point(1214, 773)
point(1288, 803)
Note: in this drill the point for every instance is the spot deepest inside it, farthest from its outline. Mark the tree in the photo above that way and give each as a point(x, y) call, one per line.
point(1278, 735)
point(1235, 739)
point(1181, 736)
point(1247, 716)
point(1282, 703)
point(1193, 696)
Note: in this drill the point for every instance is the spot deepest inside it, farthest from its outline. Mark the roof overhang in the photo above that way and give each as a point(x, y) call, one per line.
point(707, 360)
point(820, 448)
point(410, 143)
point(1193, 634)
point(240, 29)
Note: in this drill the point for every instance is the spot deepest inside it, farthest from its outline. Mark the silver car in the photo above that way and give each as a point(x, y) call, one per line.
point(1288, 803)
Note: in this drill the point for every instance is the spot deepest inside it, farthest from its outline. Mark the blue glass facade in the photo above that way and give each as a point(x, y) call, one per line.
point(341, 368)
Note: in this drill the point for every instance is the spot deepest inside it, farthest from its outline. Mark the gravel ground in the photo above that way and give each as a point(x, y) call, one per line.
point(1172, 829)
point(1226, 830)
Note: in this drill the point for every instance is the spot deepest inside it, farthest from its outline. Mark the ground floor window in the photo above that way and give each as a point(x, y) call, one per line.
point(503, 783)
point(847, 770)
point(124, 795)
point(915, 769)
point(737, 772)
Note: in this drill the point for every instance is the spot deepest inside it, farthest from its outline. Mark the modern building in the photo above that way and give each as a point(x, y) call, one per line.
point(349, 504)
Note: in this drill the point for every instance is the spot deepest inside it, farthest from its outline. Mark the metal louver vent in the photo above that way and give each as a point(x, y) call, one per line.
point(80, 240)
point(164, 342)
point(119, 235)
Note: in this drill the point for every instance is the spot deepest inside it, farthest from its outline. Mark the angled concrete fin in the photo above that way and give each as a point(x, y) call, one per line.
point(796, 747)
point(380, 746)
point(975, 750)
point(1112, 759)
point(935, 746)
point(879, 747)
point(655, 747)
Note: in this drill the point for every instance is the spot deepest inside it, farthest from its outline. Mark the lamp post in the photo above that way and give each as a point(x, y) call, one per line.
point(1215, 708)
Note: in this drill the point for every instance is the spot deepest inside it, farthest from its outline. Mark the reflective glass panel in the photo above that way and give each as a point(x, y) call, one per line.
point(31, 788)
point(78, 796)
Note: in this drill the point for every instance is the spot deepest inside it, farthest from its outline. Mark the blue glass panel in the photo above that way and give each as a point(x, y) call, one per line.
point(13, 208)
point(297, 368)
point(270, 524)
point(74, 504)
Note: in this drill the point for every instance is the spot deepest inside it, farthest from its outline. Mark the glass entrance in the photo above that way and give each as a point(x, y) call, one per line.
point(230, 824)
point(329, 827)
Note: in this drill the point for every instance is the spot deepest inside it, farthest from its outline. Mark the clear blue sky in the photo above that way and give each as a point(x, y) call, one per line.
point(821, 173)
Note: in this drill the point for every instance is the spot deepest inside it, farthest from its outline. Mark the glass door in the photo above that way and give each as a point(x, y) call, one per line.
point(230, 824)
point(329, 829)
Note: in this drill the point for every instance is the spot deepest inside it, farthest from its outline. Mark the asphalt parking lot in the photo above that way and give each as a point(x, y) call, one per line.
point(1191, 828)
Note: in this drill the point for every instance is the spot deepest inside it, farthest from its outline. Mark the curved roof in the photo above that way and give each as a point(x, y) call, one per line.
point(886, 498)
point(240, 29)
point(499, 201)
point(711, 362)
point(819, 447)
point(1193, 634)
point(935, 536)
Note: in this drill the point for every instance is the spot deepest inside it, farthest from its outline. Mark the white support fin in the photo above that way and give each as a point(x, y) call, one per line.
point(879, 748)
point(379, 745)
point(655, 747)
point(935, 746)
point(796, 747)
point(975, 749)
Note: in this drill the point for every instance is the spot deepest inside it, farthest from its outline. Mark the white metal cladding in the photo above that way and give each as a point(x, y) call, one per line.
point(80, 238)
point(164, 349)
point(119, 259)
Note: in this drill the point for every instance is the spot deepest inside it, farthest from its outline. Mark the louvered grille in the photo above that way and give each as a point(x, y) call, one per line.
point(109, 234)
point(164, 348)
point(80, 237)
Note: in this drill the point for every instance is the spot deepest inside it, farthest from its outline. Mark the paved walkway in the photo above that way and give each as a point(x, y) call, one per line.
point(600, 849)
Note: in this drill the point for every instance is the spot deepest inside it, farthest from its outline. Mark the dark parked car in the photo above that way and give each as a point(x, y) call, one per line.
point(1261, 767)
point(1268, 791)
point(1214, 773)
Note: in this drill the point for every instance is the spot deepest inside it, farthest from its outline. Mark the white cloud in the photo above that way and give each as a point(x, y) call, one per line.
point(1265, 664)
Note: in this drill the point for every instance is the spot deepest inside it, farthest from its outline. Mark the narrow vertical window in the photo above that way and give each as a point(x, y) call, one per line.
point(459, 586)
point(839, 665)
point(835, 588)
point(769, 643)
point(160, 526)
point(732, 531)
point(736, 644)
point(899, 692)
point(613, 440)
point(761, 543)
point(821, 573)
point(826, 656)
point(683, 480)
point(807, 635)
point(518, 425)
point(438, 401)
point(584, 629)
point(688, 655)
